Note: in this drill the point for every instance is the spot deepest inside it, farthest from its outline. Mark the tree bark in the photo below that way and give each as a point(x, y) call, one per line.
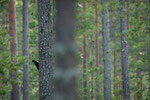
point(15, 93)
point(84, 68)
point(66, 71)
point(46, 62)
point(106, 52)
point(97, 51)
point(25, 50)
point(124, 55)
point(84, 56)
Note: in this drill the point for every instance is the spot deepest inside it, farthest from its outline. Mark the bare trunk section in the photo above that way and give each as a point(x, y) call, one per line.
point(128, 14)
point(84, 57)
point(84, 68)
point(97, 51)
point(120, 77)
point(46, 60)
point(124, 55)
point(106, 52)
point(15, 93)
point(25, 50)
point(66, 71)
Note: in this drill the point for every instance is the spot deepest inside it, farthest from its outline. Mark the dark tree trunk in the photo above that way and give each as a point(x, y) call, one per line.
point(97, 51)
point(124, 55)
point(46, 60)
point(84, 57)
point(25, 50)
point(106, 52)
point(66, 71)
point(15, 93)
point(84, 68)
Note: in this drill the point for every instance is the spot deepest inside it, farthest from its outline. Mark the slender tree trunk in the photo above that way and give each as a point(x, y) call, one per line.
point(84, 68)
point(120, 86)
point(25, 50)
point(124, 55)
point(84, 57)
point(106, 52)
point(15, 93)
point(120, 77)
point(128, 14)
point(115, 62)
point(45, 51)
point(97, 52)
point(92, 86)
point(66, 70)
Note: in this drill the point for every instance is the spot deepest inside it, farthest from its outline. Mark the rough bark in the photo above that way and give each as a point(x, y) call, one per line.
point(46, 76)
point(65, 75)
point(106, 52)
point(15, 93)
point(124, 55)
point(97, 51)
point(25, 50)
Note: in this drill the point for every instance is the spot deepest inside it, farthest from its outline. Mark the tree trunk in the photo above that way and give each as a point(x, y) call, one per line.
point(46, 62)
point(124, 55)
point(120, 77)
point(84, 57)
point(25, 50)
point(84, 68)
point(15, 93)
point(97, 52)
point(106, 52)
point(128, 15)
point(66, 71)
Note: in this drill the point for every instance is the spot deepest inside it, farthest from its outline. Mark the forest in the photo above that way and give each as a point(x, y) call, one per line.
point(74, 49)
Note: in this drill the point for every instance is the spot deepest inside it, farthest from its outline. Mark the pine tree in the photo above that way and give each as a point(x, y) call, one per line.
point(25, 50)
point(15, 93)
point(124, 53)
point(66, 71)
point(106, 52)
point(45, 51)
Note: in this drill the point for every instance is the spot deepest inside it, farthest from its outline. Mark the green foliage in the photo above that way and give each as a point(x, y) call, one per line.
point(3, 5)
point(5, 63)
